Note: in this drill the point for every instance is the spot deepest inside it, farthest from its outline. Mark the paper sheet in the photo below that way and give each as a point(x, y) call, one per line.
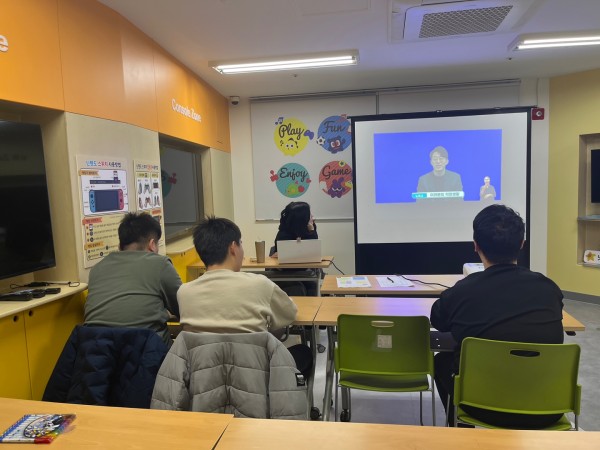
point(393, 281)
point(353, 282)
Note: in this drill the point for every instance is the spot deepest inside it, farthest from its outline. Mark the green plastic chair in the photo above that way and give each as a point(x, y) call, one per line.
point(385, 354)
point(520, 378)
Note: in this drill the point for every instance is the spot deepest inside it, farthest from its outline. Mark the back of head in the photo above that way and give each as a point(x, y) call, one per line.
point(212, 238)
point(136, 230)
point(294, 218)
point(499, 232)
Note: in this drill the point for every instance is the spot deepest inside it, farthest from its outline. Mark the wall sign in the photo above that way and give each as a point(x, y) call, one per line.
point(185, 111)
point(302, 151)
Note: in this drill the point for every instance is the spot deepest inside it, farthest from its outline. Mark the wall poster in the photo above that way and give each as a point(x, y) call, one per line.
point(104, 199)
point(148, 190)
point(302, 151)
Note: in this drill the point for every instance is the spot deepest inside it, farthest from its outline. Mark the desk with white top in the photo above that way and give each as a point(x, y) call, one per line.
point(439, 283)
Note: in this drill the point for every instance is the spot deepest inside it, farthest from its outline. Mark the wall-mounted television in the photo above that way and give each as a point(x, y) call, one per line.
point(26, 243)
point(420, 179)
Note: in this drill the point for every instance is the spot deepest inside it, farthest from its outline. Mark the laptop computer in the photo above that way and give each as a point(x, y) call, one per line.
point(299, 251)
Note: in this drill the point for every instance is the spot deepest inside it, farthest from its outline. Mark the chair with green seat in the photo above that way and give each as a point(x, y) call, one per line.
point(518, 378)
point(385, 354)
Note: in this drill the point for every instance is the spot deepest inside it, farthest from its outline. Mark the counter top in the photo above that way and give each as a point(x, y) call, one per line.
point(10, 307)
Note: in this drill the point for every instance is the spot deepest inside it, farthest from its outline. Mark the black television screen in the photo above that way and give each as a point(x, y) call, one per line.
point(181, 174)
point(595, 175)
point(26, 243)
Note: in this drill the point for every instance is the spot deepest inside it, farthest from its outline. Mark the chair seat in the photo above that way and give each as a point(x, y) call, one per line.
point(561, 425)
point(384, 383)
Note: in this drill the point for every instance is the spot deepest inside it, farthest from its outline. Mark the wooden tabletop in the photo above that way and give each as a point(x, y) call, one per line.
point(10, 307)
point(101, 427)
point(273, 263)
point(330, 286)
point(290, 435)
point(307, 309)
point(332, 307)
point(196, 269)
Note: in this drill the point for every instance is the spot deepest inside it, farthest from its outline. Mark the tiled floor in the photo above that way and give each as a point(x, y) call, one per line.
point(374, 407)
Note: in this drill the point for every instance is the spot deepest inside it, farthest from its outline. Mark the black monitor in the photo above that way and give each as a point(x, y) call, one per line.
point(595, 175)
point(26, 243)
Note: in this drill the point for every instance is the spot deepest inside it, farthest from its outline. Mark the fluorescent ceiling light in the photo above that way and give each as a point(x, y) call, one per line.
point(554, 40)
point(316, 60)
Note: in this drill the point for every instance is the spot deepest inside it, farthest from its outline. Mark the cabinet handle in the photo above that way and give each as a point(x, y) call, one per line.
point(30, 313)
point(15, 318)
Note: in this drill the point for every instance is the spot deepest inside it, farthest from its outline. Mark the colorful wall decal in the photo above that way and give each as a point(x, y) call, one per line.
point(334, 134)
point(335, 179)
point(291, 135)
point(292, 180)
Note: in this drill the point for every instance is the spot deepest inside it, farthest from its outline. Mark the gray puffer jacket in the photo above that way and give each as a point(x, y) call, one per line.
point(245, 374)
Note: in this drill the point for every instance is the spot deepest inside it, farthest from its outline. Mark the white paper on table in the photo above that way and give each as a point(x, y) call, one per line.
point(353, 282)
point(393, 281)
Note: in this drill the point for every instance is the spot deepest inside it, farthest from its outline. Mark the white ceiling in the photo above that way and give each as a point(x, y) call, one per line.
point(199, 31)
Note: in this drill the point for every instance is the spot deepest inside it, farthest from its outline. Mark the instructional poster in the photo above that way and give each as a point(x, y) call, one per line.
point(100, 237)
point(147, 186)
point(103, 187)
point(148, 190)
point(104, 199)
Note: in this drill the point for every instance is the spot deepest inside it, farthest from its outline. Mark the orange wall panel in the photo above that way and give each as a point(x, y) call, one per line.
point(30, 68)
point(138, 76)
point(177, 87)
point(82, 57)
point(92, 63)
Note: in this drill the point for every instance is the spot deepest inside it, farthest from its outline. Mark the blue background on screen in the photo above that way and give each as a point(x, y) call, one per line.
point(401, 158)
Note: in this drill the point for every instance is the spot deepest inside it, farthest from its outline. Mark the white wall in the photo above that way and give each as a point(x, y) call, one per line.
point(338, 236)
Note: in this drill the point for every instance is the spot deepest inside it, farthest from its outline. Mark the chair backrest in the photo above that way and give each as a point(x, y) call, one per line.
point(518, 377)
point(384, 345)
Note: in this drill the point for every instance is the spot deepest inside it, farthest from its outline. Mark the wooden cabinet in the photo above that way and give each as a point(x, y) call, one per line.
point(14, 372)
point(47, 328)
point(32, 336)
point(588, 220)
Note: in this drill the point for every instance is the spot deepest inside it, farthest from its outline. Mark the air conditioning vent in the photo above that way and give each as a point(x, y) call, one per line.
point(452, 23)
point(451, 19)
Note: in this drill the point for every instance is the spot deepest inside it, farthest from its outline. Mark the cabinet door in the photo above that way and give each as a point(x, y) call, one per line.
point(47, 329)
point(14, 374)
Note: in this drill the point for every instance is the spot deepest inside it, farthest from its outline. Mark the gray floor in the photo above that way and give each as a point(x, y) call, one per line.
point(374, 407)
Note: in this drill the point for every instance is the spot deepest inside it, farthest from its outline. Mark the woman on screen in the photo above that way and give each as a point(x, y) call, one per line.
point(487, 191)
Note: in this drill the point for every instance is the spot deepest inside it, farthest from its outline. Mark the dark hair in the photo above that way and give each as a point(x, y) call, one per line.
point(440, 150)
point(212, 238)
point(294, 218)
point(499, 232)
point(138, 228)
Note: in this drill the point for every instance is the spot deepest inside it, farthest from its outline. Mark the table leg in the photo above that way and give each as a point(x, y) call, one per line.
point(313, 412)
point(329, 365)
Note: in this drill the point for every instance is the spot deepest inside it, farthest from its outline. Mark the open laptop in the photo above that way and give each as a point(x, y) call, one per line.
point(299, 251)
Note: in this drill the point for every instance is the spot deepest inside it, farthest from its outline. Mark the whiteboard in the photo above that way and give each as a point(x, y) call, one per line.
point(302, 151)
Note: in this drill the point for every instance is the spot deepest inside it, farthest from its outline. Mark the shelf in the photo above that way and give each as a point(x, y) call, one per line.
point(594, 266)
point(590, 218)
